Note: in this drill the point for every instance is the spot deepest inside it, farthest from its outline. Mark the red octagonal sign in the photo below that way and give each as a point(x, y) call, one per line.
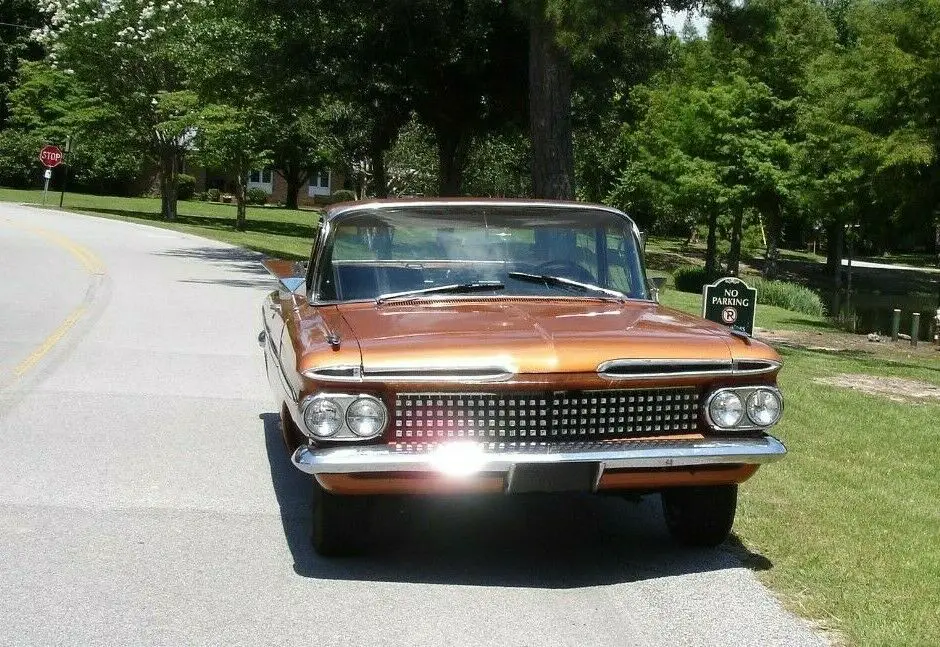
point(50, 156)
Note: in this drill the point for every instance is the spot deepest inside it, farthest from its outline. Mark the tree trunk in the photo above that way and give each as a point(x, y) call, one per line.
point(379, 173)
point(711, 247)
point(240, 199)
point(774, 223)
point(452, 150)
point(168, 185)
point(734, 253)
point(835, 236)
point(549, 111)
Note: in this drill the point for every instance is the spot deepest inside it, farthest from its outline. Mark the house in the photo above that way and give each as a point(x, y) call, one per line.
point(316, 190)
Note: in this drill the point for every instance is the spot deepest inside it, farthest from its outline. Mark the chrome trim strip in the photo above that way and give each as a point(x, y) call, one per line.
point(351, 373)
point(441, 373)
point(276, 357)
point(700, 368)
point(769, 366)
point(450, 458)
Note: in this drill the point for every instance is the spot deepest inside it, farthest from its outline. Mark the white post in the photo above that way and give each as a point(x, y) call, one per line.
point(45, 188)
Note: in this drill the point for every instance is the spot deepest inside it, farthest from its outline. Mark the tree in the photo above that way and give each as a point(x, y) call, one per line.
point(49, 106)
point(17, 19)
point(234, 139)
point(130, 53)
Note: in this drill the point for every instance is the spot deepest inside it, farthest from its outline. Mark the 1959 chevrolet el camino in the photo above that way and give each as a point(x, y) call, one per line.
point(471, 346)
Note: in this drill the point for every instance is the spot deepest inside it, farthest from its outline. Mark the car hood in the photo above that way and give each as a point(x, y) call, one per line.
point(526, 335)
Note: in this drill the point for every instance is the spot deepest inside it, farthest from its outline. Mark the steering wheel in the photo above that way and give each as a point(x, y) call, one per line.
point(566, 269)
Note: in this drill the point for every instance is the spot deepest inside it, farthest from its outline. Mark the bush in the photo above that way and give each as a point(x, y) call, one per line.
point(343, 195)
point(690, 278)
point(214, 195)
point(256, 195)
point(185, 186)
point(789, 296)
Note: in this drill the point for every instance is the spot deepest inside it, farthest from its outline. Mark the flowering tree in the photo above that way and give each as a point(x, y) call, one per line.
point(131, 53)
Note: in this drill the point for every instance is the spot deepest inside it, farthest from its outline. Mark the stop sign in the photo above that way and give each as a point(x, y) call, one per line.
point(50, 156)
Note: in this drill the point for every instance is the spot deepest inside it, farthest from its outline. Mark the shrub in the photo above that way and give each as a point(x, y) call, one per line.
point(185, 186)
point(343, 195)
point(690, 278)
point(789, 296)
point(214, 195)
point(256, 195)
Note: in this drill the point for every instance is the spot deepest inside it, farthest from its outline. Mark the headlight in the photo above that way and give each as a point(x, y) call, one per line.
point(763, 407)
point(323, 417)
point(366, 417)
point(726, 409)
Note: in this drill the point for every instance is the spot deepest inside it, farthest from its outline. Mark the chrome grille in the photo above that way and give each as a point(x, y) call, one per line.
point(547, 416)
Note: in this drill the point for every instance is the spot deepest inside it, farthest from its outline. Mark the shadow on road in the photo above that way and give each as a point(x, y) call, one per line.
point(232, 259)
point(542, 541)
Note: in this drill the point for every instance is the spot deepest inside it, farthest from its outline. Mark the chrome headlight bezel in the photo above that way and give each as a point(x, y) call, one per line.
point(342, 401)
point(744, 393)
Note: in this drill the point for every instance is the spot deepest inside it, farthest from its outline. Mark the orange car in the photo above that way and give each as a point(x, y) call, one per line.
point(460, 346)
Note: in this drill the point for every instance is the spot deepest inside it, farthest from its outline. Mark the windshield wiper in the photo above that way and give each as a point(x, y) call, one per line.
point(456, 288)
point(562, 282)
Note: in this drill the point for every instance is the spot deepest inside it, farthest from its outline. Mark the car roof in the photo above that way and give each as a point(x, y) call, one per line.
point(337, 210)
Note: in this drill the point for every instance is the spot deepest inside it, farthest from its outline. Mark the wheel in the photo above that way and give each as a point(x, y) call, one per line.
point(293, 437)
point(340, 523)
point(700, 516)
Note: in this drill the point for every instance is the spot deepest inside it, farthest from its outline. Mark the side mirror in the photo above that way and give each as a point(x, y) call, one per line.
point(656, 284)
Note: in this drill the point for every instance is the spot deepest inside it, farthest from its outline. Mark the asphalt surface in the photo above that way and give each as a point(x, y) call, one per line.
point(146, 498)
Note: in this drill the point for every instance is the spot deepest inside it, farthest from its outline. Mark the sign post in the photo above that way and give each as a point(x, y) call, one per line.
point(50, 156)
point(730, 302)
point(65, 175)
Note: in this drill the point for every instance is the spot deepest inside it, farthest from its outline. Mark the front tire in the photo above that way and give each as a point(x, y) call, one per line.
point(700, 516)
point(340, 523)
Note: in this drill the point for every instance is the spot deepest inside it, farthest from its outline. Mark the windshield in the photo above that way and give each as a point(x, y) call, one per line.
point(521, 249)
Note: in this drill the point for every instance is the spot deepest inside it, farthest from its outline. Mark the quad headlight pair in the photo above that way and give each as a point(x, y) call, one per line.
point(749, 407)
point(344, 417)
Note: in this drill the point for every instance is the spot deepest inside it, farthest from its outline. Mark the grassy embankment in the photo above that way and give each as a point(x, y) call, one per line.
point(846, 529)
point(271, 230)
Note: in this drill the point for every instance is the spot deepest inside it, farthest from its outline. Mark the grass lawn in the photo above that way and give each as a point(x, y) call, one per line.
point(274, 231)
point(850, 519)
point(846, 529)
point(848, 524)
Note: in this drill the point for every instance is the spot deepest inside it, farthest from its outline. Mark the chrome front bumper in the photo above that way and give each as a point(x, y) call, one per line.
point(467, 458)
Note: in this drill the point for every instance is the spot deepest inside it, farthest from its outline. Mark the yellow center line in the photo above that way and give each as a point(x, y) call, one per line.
point(90, 262)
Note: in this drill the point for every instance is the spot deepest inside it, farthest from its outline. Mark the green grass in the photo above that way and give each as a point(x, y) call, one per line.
point(847, 526)
point(850, 519)
point(275, 231)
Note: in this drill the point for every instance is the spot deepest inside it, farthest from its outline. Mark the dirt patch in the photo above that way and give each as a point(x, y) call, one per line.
point(896, 389)
point(831, 341)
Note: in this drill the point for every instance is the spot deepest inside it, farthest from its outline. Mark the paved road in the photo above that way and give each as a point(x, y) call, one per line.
point(145, 498)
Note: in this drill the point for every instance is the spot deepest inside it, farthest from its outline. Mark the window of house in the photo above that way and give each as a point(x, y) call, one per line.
point(261, 179)
point(319, 184)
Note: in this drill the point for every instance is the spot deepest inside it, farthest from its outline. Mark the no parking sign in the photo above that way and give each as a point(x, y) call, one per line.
point(731, 302)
